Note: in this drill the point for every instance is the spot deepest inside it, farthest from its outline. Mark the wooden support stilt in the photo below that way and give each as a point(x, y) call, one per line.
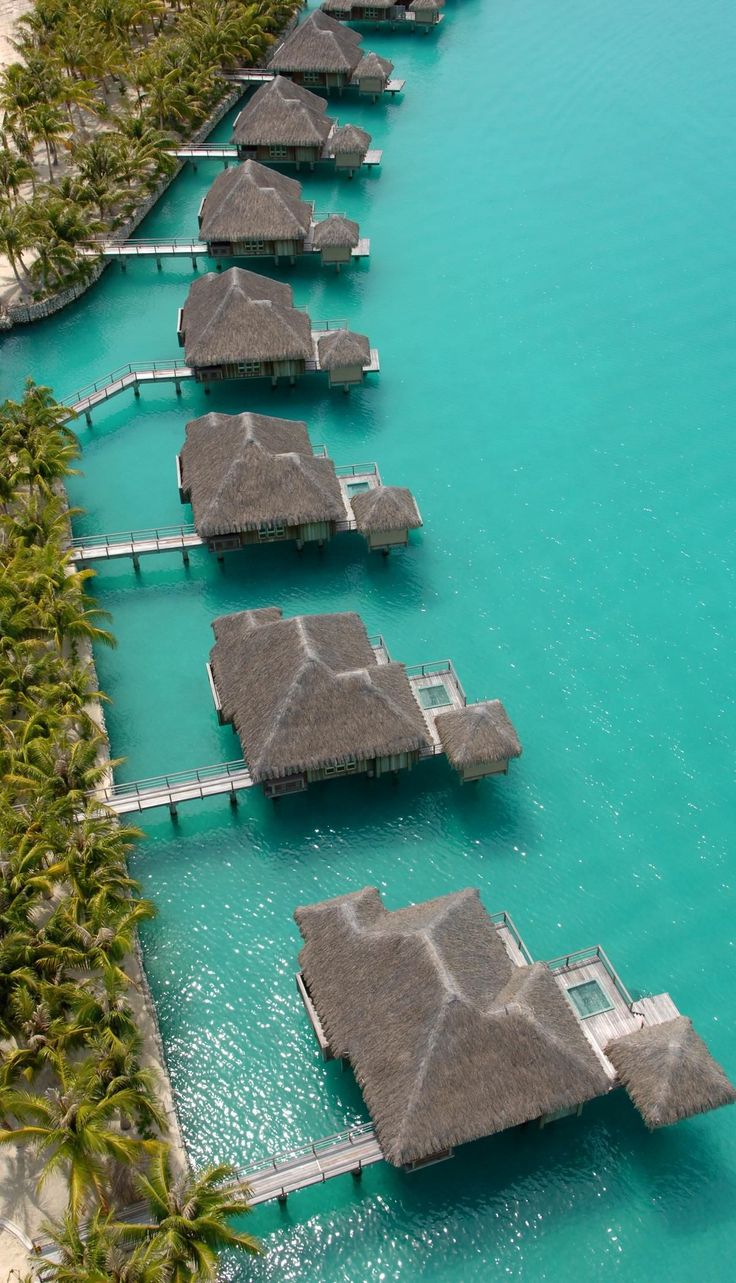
point(136, 563)
point(88, 417)
point(233, 799)
point(172, 810)
point(185, 556)
point(159, 264)
point(136, 389)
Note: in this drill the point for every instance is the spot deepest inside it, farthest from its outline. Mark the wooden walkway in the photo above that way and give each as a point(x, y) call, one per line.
point(195, 250)
point(135, 374)
point(171, 790)
point(135, 544)
point(312, 1164)
point(262, 76)
point(228, 152)
point(132, 376)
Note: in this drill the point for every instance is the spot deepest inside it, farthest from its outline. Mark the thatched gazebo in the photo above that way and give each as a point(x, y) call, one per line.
point(336, 237)
point(283, 123)
point(426, 12)
point(251, 478)
point(309, 700)
point(479, 739)
point(669, 1072)
point(253, 210)
point(239, 325)
point(345, 356)
point(385, 516)
point(318, 53)
point(448, 1039)
point(372, 74)
point(349, 145)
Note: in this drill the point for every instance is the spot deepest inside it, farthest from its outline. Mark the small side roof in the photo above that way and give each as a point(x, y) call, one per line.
point(243, 471)
point(373, 66)
point(340, 348)
point(336, 231)
point(477, 734)
point(349, 138)
point(318, 44)
point(669, 1072)
point(385, 508)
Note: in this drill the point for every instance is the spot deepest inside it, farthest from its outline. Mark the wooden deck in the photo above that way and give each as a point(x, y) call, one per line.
point(440, 673)
point(625, 1015)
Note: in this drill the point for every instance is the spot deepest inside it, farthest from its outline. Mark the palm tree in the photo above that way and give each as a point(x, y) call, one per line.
point(76, 1133)
point(46, 123)
point(92, 1255)
point(15, 238)
point(14, 171)
point(191, 1214)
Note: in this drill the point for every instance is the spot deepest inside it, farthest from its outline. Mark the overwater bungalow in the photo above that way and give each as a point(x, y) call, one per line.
point(286, 124)
point(419, 15)
point(314, 697)
point(321, 53)
point(255, 212)
point(239, 325)
point(252, 478)
point(454, 1033)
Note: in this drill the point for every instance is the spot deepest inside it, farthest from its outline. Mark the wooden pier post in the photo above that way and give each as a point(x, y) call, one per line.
point(185, 556)
point(172, 810)
point(88, 418)
point(136, 563)
point(159, 264)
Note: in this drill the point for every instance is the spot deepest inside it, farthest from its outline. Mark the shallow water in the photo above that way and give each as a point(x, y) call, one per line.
point(550, 288)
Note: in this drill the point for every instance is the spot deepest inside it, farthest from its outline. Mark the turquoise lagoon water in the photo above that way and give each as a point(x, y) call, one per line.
point(551, 291)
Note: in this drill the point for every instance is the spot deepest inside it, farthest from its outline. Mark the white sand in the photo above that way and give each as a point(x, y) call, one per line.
point(10, 12)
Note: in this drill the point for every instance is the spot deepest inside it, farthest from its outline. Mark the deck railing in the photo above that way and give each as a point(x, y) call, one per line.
point(362, 1132)
point(503, 919)
point(377, 642)
point(356, 469)
point(329, 325)
point(133, 367)
point(143, 242)
point(154, 535)
point(581, 957)
point(162, 783)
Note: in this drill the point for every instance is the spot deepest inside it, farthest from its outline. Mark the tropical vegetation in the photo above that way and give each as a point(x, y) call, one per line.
point(101, 91)
point(72, 1083)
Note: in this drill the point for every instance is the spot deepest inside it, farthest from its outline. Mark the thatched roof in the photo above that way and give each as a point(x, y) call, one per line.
point(254, 202)
point(448, 1040)
point(426, 6)
point(385, 508)
point(246, 470)
point(477, 734)
point(345, 6)
point(307, 692)
point(281, 113)
point(338, 348)
point(318, 44)
point(349, 138)
point(373, 67)
point(669, 1073)
point(239, 316)
point(336, 231)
